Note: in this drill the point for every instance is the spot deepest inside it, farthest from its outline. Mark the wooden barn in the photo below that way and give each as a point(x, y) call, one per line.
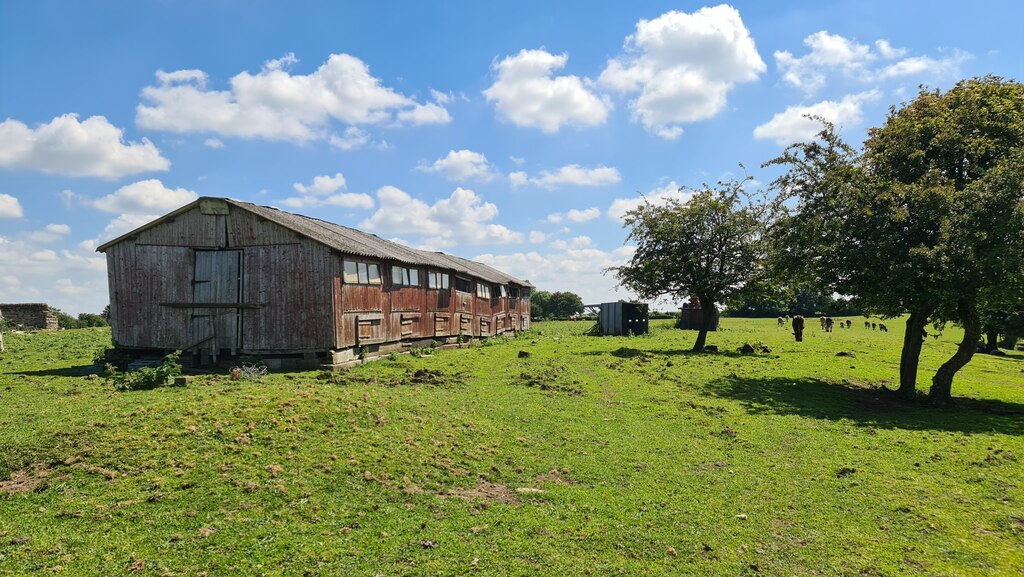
point(221, 277)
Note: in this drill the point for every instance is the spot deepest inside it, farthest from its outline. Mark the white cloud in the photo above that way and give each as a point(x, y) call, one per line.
point(683, 66)
point(322, 185)
point(518, 178)
point(462, 218)
point(93, 147)
point(583, 215)
point(792, 125)
point(10, 207)
point(145, 197)
point(322, 192)
point(352, 138)
point(573, 267)
point(214, 143)
point(461, 166)
point(572, 174)
point(537, 237)
point(833, 53)
point(50, 233)
point(125, 223)
point(658, 196)
point(555, 218)
point(276, 105)
point(29, 272)
point(429, 113)
point(527, 93)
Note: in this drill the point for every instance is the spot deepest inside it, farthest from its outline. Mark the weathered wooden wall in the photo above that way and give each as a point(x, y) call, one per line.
point(293, 298)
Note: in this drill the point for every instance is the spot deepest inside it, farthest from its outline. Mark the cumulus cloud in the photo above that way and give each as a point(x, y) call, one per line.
point(583, 215)
point(462, 166)
point(145, 197)
point(575, 265)
point(30, 272)
point(526, 92)
point(213, 143)
point(10, 207)
point(275, 104)
point(683, 67)
point(835, 54)
point(93, 147)
point(794, 125)
point(323, 191)
point(462, 218)
point(50, 233)
point(658, 196)
point(321, 185)
point(571, 174)
point(537, 237)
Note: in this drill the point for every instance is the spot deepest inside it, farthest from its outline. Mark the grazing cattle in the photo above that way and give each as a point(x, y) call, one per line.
point(798, 328)
point(873, 326)
point(849, 324)
point(781, 322)
point(822, 320)
point(883, 328)
point(829, 323)
point(867, 324)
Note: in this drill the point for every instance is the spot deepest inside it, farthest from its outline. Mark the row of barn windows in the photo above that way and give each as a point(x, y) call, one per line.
point(357, 272)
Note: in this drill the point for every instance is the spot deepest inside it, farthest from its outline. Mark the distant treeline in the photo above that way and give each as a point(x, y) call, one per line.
point(66, 321)
point(801, 301)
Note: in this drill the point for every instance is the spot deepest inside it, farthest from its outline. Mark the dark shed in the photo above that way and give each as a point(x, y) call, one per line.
point(622, 318)
point(221, 276)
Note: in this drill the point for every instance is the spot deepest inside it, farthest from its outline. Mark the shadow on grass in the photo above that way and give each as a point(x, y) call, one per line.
point(867, 406)
point(629, 353)
point(80, 371)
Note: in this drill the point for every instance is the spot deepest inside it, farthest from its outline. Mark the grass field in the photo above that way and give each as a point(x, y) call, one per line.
point(592, 456)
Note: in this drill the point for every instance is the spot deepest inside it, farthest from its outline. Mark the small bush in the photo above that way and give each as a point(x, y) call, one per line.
point(145, 378)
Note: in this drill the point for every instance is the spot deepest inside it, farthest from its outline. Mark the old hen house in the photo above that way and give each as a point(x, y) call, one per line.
point(224, 277)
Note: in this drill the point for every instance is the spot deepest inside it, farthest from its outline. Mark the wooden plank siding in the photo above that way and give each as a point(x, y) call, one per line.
point(294, 297)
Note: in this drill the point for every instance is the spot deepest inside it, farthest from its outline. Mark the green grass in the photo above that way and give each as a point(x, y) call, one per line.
point(649, 460)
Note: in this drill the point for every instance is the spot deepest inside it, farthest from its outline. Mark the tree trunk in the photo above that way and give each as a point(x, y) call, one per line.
point(942, 382)
point(913, 339)
point(991, 340)
point(706, 305)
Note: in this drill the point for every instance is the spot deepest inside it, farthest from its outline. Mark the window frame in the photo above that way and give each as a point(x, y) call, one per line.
point(468, 282)
point(404, 276)
point(483, 290)
point(437, 280)
point(361, 272)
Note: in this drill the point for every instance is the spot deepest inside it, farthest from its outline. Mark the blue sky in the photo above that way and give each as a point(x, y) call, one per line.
point(513, 133)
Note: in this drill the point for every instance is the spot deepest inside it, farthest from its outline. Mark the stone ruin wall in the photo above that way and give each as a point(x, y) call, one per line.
point(33, 316)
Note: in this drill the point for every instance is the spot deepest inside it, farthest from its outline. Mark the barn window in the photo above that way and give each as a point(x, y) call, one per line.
point(401, 276)
point(362, 272)
point(437, 280)
point(503, 291)
point(513, 291)
point(483, 291)
point(463, 286)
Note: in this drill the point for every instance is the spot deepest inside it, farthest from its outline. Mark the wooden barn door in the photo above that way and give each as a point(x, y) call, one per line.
point(217, 284)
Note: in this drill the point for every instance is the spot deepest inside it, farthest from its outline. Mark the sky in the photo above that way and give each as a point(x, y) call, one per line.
point(513, 133)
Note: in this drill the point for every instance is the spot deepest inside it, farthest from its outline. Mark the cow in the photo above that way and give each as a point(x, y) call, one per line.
point(781, 322)
point(798, 328)
point(883, 328)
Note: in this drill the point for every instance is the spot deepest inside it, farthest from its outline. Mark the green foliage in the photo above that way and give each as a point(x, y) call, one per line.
point(146, 377)
point(555, 305)
point(84, 320)
point(928, 219)
point(708, 247)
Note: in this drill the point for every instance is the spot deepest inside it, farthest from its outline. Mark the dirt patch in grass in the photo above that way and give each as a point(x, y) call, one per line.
point(485, 491)
point(550, 376)
point(557, 476)
point(418, 377)
point(26, 480)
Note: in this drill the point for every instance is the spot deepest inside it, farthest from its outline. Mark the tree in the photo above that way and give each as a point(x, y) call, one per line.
point(708, 247)
point(927, 220)
point(564, 304)
point(539, 304)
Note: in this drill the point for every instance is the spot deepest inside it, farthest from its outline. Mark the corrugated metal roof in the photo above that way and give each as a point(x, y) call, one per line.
point(355, 242)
